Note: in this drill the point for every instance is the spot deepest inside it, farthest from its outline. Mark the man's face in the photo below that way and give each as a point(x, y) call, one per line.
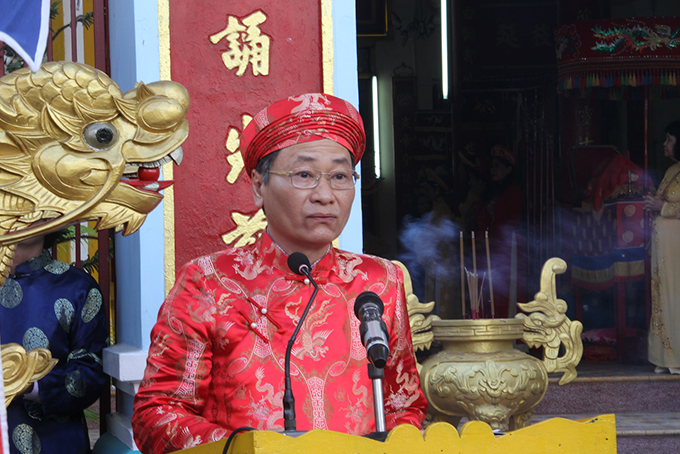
point(305, 220)
point(499, 171)
point(668, 146)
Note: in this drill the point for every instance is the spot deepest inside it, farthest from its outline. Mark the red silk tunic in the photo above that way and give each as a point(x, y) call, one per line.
point(216, 361)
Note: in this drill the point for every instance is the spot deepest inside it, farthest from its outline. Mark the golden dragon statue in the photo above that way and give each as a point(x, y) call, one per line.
point(547, 325)
point(74, 148)
point(21, 368)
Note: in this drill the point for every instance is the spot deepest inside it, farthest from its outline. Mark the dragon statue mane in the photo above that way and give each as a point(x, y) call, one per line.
point(74, 148)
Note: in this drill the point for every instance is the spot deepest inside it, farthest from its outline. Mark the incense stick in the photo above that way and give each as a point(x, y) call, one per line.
point(488, 266)
point(462, 275)
point(474, 293)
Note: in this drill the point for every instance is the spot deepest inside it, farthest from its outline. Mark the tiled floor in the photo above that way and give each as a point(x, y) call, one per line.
point(627, 424)
point(634, 423)
point(612, 371)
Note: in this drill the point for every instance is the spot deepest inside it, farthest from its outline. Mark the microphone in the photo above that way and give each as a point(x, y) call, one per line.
point(298, 264)
point(368, 308)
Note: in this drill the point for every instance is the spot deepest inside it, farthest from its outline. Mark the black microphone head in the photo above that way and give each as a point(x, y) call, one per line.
point(296, 261)
point(378, 355)
point(366, 298)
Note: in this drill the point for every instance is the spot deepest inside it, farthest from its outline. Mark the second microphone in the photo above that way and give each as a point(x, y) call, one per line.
point(368, 308)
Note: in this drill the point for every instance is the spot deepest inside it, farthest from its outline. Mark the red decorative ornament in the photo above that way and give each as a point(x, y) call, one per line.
point(149, 174)
point(617, 58)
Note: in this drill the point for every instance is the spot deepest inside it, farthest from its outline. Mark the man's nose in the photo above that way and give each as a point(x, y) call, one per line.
point(323, 191)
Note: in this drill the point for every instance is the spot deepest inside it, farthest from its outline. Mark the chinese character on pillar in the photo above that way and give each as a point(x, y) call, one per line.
point(235, 58)
point(247, 228)
point(234, 158)
point(247, 44)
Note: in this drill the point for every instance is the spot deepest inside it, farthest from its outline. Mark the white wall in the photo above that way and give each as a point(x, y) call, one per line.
point(346, 86)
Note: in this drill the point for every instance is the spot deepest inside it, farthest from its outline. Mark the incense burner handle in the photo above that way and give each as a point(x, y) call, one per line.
point(547, 326)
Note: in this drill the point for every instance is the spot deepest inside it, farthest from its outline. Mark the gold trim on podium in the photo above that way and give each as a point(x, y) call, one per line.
point(553, 436)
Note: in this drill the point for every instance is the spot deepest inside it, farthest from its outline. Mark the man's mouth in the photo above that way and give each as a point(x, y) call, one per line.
point(323, 217)
point(144, 175)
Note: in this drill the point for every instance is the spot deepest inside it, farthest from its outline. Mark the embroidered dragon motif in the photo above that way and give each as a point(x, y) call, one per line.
point(311, 342)
point(636, 38)
point(407, 393)
point(252, 267)
point(346, 268)
point(309, 101)
point(266, 410)
point(357, 409)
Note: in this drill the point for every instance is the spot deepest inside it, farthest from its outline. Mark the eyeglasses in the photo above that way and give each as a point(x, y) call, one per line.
point(305, 178)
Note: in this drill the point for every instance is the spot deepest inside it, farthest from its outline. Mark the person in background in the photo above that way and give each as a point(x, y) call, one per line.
point(50, 304)
point(500, 215)
point(664, 333)
point(216, 361)
point(469, 208)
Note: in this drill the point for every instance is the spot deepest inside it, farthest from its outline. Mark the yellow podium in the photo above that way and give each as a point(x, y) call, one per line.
point(553, 436)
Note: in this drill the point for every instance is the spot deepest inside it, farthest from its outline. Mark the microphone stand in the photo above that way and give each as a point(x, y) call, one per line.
point(368, 307)
point(376, 375)
point(289, 424)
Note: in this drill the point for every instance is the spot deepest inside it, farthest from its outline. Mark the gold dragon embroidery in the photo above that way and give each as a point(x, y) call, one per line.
point(346, 268)
point(356, 409)
point(311, 342)
point(407, 390)
point(252, 267)
point(266, 410)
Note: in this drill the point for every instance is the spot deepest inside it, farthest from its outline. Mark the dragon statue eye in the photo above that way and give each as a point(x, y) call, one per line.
point(100, 136)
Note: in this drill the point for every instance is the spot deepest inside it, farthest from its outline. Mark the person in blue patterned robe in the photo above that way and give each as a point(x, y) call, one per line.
point(47, 303)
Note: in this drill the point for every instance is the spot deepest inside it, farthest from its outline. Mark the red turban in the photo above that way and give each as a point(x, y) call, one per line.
point(303, 118)
point(499, 151)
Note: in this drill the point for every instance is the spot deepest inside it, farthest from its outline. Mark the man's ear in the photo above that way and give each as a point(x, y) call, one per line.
point(258, 183)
